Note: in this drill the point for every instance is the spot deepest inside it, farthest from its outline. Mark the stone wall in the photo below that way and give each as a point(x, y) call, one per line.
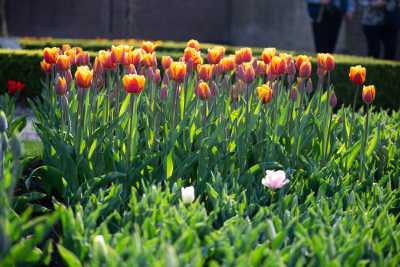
point(280, 23)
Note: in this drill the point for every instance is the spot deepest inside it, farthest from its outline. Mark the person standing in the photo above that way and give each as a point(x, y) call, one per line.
point(381, 23)
point(326, 19)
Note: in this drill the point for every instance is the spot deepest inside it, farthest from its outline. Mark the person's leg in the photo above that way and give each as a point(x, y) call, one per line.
point(319, 39)
point(389, 39)
point(335, 21)
point(372, 35)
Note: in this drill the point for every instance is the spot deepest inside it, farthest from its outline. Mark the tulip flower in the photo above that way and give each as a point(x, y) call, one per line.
point(77, 50)
point(268, 54)
point(228, 63)
point(274, 179)
point(149, 60)
point(166, 62)
point(65, 47)
point(357, 74)
point(46, 67)
point(243, 55)
point(82, 59)
point(203, 91)
point(178, 71)
point(83, 77)
point(205, 72)
point(246, 72)
point(15, 86)
point(62, 63)
point(193, 44)
point(305, 69)
point(293, 94)
point(187, 194)
point(300, 59)
point(193, 56)
point(117, 53)
point(61, 86)
point(277, 66)
point(71, 53)
point(368, 94)
point(148, 46)
point(215, 54)
point(50, 54)
point(107, 60)
point(131, 58)
point(163, 93)
point(133, 83)
point(333, 100)
point(326, 62)
point(260, 67)
point(264, 93)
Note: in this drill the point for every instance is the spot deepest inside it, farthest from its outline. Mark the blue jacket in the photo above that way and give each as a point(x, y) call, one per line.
point(314, 7)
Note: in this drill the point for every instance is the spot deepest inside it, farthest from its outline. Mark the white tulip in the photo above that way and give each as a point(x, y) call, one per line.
point(274, 179)
point(187, 194)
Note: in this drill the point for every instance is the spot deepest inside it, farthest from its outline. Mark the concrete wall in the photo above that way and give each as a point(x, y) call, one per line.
point(281, 23)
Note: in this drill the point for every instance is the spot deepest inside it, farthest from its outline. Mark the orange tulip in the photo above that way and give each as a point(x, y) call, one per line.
point(228, 63)
point(61, 86)
point(203, 91)
point(166, 62)
point(178, 71)
point(243, 55)
point(117, 53)
point(133, 83)
point(149, 60)
point(71, 53)
point(300, 59)
point(65, 47)
point(305, 69)
point(215, 54)
point(268, 54)
point(368, 94)
point(192, 56)
point(326, 61)
point(46, 67)
point(50, 54)
point(260, 67)
point(193, 44)
point(264, 93)
point(107, 60)
point(277, 66)
point(82, 59)
point(83, 77)
point(77, 50)
point(246, 72)
point(148, 46)
point(131, 58)
point(205, 72)
point(62, 63)
point(357, 74)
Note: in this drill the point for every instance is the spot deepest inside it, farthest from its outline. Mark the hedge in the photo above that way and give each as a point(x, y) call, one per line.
point(23, 65)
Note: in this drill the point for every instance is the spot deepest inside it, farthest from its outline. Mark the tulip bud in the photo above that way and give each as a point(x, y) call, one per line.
point(264, 93)
point(205, 72)
point(193, 44)
point(157, 76)
point(357, 74)
point(368, 94)
point(247, 72)
point(178, 71)
point(291, 68)
point(150, 74)
point(305, 69)
point(82, 59)
point(63, 63)
point(84, 77)
point(68, 76)
point(61, 86)
point(166, 62)
point(333, 100)
point(3, 122)
point(187, 194)
point(46, 67)
point(163, 93)
point(268, 54)
point(133, 83)
point(293, 94)
point(203, 90)
point(309, 86)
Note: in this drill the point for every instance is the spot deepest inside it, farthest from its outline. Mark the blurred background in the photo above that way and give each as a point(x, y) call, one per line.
point(281, 23)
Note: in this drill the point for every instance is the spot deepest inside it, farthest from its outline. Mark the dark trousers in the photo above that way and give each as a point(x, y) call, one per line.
point(326, 31)
point(377, 35)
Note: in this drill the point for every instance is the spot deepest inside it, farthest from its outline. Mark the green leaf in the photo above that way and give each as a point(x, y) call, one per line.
point(70, 259)
point(170, 164)
point(125, 105)
point(372, 144)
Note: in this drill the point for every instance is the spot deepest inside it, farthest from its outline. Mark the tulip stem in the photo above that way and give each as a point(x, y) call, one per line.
point(328, 136)
point(365, 141)
point(353, 114)
point(131, 114)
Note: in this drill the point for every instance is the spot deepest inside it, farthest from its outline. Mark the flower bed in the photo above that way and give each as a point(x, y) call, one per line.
point(234, 162)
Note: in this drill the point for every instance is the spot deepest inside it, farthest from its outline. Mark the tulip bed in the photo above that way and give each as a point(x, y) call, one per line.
point(238, 162)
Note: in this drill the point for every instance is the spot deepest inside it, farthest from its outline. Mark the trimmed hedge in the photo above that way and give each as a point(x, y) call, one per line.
point(23, 65)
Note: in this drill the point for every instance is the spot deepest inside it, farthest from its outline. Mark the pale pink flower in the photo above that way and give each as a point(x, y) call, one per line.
point(274, 179)
point(187, 194)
